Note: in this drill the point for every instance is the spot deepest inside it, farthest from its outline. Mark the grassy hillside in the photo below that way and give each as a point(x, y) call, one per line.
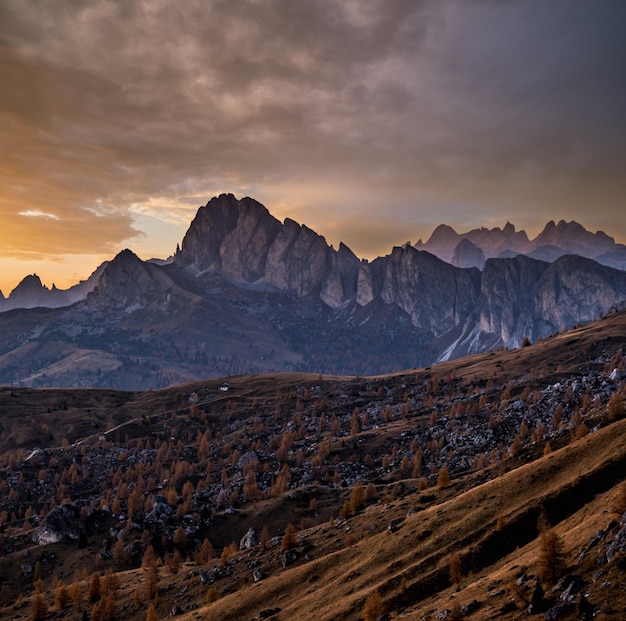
point(389, 481)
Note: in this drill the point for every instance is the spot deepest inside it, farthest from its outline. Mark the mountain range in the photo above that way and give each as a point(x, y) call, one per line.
point(472, 248)
point(246, 293)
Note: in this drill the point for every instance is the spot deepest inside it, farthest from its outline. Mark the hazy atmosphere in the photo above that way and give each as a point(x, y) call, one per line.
point(370, 121)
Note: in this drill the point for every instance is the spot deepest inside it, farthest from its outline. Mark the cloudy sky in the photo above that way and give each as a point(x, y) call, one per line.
point(371, 121)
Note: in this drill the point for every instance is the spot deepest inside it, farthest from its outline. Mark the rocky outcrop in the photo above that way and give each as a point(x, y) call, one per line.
point(435, 295)
point(576, 290)
point(61, 523)
point(506, 308)
point(250, 539)
point(243, 241)
point(130, 284)
point(298, 260)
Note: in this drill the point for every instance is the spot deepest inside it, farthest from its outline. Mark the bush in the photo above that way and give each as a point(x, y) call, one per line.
point(455, 568)
point(211, 595)
point(373, 608)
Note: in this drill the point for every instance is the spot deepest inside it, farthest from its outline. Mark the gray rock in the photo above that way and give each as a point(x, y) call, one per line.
point(62, 522)
point(559, 611)
point(618, 545)
point(470, 607)
point(289, 557)
point(248, 458)
point(27, 570)
point(250, 539)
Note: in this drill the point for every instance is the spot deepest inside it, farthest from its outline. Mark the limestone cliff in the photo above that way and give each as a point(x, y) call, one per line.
point(463, 310)
point(243, 241)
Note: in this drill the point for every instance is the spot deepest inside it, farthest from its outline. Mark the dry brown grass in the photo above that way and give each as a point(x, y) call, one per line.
point(409, 567)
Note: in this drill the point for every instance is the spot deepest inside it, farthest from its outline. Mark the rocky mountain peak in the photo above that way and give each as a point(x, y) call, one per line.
point(29, 293)
point(554, 240)
point(443, 233)
point(29, 284)
point(509, 229)
point(229, 235)
point(243, 241)
point(281, 297)
point(131, 284)
point(572, 237)
point(468, 254)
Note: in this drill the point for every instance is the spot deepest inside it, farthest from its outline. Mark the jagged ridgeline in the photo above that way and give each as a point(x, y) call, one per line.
point(246, 293)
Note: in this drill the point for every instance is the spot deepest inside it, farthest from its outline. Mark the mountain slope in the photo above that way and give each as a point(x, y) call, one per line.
point(148, 477)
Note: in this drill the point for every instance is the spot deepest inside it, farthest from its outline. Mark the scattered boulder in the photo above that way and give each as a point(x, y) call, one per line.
point(289, 557)
point(538, 601)
point(558, 611)
point(247, 459)
point(62, 522)
point(161, 512)
point(470, 607)
point(618, 545)
point(27, 570)
point(250, 539)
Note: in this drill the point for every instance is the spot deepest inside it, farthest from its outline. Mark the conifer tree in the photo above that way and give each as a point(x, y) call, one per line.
point(551, 556)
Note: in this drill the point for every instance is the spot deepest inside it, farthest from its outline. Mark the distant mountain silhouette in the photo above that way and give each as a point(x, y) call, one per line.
point(553, 242)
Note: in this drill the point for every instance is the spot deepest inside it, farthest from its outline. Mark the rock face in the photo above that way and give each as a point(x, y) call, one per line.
point(436, 296)
point(574, 289)
point(468, 254)
point(506, 309)
point(524, 298)
point(130, 284)
point(243, 241)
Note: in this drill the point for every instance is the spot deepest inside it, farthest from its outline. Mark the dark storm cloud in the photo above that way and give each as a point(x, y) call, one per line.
point(339, 109)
